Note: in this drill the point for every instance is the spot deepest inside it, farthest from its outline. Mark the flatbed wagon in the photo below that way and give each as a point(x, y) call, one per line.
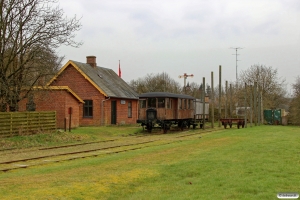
point(229, 121)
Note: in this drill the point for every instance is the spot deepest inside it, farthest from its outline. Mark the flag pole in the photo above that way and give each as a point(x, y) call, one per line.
point(119, 69)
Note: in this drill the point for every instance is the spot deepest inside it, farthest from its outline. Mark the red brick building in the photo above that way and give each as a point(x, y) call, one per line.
point(56, 98)
point(98, 95)
point(108, 99)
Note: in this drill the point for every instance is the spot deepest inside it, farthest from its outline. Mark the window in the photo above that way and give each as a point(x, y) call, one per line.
point(161, 102)
point(184, 103)
point(151, 102)
point(179, 102)
point(88, 108)
point(129, 109)
point(142, 103)
point(168, 102)
point(191, 104)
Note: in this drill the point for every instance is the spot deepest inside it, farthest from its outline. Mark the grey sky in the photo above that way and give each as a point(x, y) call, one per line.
point(191, 36)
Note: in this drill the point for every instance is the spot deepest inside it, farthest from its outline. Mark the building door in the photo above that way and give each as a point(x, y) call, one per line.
point(113, 112)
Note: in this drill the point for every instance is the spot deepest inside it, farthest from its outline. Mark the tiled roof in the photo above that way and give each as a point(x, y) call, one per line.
point(108, 81)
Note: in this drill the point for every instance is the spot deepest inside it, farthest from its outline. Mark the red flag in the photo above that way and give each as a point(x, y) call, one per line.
point(119, 70)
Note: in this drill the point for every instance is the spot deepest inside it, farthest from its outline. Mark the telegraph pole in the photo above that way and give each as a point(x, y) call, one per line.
point(236, 59)
point(184, 76)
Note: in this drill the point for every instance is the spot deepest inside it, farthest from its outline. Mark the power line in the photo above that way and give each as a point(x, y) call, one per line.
point(236, 54)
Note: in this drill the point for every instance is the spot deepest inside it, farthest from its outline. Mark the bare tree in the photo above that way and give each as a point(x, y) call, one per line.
point(156, 83)
point(294, 110)
point(30, 31)
point(268, 81)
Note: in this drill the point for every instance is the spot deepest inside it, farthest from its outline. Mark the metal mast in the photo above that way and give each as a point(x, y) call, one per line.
point(236, 59)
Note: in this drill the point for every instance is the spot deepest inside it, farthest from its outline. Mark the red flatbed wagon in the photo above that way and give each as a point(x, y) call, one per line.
point(229, 121)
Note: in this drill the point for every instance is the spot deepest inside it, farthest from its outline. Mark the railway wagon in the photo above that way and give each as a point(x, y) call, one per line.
point(199, 114)
point(163, 109)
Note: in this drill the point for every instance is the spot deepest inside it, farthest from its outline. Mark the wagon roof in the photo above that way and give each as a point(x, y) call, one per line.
point(166, 94)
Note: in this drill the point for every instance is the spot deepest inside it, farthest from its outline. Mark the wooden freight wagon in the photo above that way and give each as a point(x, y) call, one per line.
point(163, 109)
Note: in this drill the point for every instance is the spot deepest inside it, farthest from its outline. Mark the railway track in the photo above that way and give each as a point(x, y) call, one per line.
point(12, 159)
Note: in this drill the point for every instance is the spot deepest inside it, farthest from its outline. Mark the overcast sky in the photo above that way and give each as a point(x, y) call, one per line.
point(190, 36)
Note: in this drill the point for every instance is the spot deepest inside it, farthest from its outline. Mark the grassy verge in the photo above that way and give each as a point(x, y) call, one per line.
point(81, 134)
point(252, 163)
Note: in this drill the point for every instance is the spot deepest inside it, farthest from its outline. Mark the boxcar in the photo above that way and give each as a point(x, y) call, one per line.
point(163, 109)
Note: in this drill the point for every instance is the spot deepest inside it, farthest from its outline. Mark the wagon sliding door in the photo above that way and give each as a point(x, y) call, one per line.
point(113, 112)
point(175, 108)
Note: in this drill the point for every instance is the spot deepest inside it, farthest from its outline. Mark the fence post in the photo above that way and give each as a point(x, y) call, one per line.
point(11, 132)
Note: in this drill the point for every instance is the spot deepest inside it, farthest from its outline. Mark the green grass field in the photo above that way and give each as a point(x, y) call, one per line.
point(252, 163)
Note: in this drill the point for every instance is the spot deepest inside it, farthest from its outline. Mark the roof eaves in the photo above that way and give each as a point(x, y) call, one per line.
point(60, 71)
point(59, 88)
point(81, 72)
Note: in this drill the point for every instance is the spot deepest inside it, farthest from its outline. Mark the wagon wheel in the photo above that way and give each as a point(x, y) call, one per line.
point(149, 127)
point(165, 128)
point(182, 125)
point(189, 124)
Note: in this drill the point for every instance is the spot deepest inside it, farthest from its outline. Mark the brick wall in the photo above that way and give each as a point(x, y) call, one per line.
point(56, 100)
point(122, 111)
point(86, 91)
point(83, 88)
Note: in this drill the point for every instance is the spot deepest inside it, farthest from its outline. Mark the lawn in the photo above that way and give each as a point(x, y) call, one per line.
point(252, 163)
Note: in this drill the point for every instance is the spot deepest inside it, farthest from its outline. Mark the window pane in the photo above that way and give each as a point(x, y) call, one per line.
point(129, 109)
point(142, 103)
point(152, 102)
point(88, 108)
point(168, 102)
point(179, 102)
point(161, 102)
point(191, 104)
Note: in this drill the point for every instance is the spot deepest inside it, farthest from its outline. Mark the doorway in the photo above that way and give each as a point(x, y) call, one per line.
point(113, 112)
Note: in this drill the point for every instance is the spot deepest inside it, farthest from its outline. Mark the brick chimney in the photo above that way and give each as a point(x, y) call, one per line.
point(91, 60)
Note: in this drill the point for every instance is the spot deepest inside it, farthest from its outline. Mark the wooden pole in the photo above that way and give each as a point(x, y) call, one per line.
point(254, 103)
point(70, 118)
point(203, 102)
point(245, 104)
point(251, 105)
point(65, 124)
point(226, 97)
point(212, 101)
point(220, 93)
point(230, 101)
point(259, 107)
